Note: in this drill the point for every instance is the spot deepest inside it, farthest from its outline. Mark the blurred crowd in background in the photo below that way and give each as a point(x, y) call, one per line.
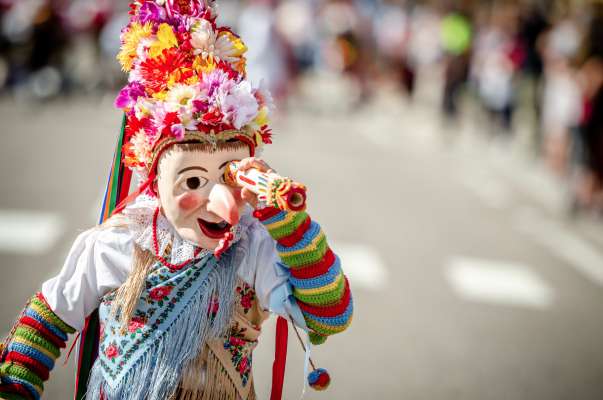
point(542, 57)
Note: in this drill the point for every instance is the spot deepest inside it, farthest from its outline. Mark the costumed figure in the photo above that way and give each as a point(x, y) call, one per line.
point(170, 291)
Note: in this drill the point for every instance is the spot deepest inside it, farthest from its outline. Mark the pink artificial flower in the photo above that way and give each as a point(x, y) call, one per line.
point(200, 106)
point(151, 12)
point(215, 82)
point(240, 105)
point(159, 293)
point(129, 94)
point(178, 131)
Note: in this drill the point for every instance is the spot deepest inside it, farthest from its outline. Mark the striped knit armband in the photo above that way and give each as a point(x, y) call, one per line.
point(31, 350)
point(319, 285)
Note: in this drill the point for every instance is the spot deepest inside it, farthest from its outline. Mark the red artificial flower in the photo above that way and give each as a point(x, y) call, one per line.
point(130, 159)
point(170, 119)
point(112, 351)
point(184, 38)
point(212, 117)
point(132, 8)
point(230, 71)
point(160, 293)
point(134, 125)
point(266, 134)
point(171, 63)
point(183, 6)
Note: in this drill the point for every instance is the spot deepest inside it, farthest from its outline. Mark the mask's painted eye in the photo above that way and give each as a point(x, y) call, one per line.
point(195, 182)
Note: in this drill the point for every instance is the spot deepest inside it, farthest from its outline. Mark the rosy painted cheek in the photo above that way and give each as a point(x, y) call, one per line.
point(189, 201)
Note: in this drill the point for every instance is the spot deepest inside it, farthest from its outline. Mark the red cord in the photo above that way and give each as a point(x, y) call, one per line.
point(156, 248)
point(280, 359)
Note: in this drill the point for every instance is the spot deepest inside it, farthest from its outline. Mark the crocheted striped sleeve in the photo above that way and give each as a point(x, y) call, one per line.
point(30, 351)
point(321, 289)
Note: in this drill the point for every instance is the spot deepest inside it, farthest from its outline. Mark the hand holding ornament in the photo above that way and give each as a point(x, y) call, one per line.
point(260, 183)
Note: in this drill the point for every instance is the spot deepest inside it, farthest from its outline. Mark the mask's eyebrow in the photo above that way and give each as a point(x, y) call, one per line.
point(224, 164)
point(189, 168)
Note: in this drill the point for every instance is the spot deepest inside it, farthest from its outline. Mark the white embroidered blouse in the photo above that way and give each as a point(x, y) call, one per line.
point(100, 261)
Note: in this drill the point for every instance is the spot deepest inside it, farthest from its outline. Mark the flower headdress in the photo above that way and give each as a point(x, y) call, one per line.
point(187, 82)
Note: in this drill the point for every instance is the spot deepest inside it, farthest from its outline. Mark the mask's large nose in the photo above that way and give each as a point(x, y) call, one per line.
point(222, 202)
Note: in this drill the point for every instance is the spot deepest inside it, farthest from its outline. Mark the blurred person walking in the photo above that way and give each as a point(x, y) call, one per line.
point(589, 191)
point(533, 24)
point(498, 56)
point(346, 46)
point(393, 34)
point(295, 23)
point(87, 68)
point(37, 40)
point(562, 97)
point(456, 36)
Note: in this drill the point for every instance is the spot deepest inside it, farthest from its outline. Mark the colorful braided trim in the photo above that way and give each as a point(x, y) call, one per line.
point(14, 391)
point(328, 311)
point(321, 280)
point(319, 285)
point(31, 351)
point(313, 270)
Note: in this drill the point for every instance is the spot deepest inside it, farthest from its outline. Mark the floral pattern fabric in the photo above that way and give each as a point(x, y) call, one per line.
point(246, 296)
point(167, 294)
point(241, 352)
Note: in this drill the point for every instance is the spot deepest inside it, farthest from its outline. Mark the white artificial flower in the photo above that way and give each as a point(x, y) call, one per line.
point(180, 96)
point(225, 50)
point(240, 105)
point(203, 38)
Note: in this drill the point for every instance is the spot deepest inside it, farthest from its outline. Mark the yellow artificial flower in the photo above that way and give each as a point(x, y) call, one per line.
point(160, 95)
point(236, 49)
point(131, 40)
point(262, 118)
point(165, 40)
point(203, 65)
point(258, 139)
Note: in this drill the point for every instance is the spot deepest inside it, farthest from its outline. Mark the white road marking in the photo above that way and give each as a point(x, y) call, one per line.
point(29, 232)
point(577, 252)
point(497, 282)
point(362, 264)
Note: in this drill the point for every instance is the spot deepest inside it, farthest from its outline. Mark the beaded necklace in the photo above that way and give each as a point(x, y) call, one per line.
point(172, 267)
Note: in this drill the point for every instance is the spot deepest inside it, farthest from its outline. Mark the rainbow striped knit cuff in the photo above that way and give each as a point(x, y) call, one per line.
point(31, 351)
point(319, 285)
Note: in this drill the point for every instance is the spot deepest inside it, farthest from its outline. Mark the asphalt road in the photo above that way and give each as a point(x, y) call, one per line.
point(468, 283)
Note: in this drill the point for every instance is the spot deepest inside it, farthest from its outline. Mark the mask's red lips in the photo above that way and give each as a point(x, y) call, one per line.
point(214, 230)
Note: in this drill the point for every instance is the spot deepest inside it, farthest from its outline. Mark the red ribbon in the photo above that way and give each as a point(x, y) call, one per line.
point(280, 359)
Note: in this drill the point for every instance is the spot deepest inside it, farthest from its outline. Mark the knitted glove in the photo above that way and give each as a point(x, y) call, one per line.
point(319, 285)
point(31, 350)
